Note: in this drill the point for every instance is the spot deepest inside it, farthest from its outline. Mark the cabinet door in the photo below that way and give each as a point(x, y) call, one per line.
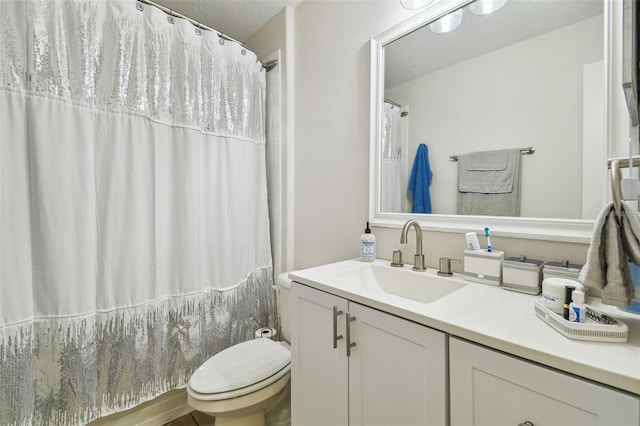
point(397, 371)
point(492, 388)
point(319, 372)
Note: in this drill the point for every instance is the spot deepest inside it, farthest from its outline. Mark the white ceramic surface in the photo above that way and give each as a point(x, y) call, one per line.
point(239, 366)
point(401, 282)
point(240, 383)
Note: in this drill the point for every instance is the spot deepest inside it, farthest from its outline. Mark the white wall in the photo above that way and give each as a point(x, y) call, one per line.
point(331, 123)
point(535, 92)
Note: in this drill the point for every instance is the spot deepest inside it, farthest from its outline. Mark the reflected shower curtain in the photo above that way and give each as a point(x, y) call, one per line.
point(392, 189)
point(134, 238)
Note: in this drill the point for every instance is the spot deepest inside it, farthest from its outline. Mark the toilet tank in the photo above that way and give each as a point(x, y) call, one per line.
point(283, 284)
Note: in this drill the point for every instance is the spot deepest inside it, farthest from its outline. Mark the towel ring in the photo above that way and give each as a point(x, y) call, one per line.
point(616, 187)
point(615, 164)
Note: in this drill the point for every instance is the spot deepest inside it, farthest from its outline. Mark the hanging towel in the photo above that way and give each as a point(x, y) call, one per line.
point(489, 183)
point(420, 180)
point(606, 272)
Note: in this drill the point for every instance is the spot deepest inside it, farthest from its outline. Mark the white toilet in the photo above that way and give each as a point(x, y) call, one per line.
point(239, 384)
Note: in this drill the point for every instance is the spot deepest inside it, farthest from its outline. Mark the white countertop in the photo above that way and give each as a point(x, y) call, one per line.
point(501, 319)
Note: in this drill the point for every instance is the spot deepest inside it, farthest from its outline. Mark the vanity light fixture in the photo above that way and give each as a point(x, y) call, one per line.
point(485, 7)
point(415, 4)
point(447, 23)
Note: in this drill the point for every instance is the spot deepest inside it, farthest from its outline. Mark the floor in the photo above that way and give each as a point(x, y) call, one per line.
point(194, 418)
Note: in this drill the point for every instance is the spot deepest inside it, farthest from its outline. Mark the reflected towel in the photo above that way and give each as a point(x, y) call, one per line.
point(606, 272)
point(420, 180)
point(488, 172)
point(489, 183)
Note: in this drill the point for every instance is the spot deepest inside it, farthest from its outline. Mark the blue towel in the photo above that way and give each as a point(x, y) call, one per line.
point(421, 176)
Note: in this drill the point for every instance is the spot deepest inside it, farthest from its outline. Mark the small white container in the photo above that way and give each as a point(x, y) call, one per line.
point(483, 266)
point(577, 309)
point(562, 269)
point(522, 275)
point(472, 241)
point(553, 292)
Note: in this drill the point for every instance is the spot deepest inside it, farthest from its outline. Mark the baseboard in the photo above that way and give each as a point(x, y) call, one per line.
point(157, 412)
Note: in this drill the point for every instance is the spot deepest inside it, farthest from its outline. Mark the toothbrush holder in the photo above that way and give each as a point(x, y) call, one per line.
point(483, 266)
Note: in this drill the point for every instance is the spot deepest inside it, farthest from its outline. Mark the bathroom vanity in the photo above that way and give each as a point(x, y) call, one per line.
point(373, 344)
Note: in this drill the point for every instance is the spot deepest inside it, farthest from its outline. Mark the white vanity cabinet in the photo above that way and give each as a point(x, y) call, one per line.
point(492, 388)
point(394, 374)
point(319, 372)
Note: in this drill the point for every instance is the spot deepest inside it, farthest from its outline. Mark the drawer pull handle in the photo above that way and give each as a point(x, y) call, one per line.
point(526, 423)
point(336, 313)
point(350, 344)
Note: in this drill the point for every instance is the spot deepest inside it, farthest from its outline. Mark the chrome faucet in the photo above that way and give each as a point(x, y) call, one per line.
point(418, 258)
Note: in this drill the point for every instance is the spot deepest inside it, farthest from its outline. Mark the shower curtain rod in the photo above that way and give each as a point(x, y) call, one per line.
point(523, 151)
point(268, 66)
point(402, 113)
point(393, 103)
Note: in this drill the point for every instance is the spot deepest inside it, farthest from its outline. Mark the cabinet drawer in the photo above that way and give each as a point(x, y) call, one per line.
point(492, 388)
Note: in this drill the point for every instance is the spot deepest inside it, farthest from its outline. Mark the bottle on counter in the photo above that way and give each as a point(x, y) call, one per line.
point(368, 245)
point(577, 309)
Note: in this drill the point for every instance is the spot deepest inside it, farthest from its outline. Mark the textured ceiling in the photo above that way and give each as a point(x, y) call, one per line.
point(238, 19)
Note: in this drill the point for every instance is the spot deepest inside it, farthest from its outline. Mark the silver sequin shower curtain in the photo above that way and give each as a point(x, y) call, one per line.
point(134, 234)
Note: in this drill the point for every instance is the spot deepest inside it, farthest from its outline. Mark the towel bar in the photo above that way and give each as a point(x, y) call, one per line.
point(615, 164)
point(524, 151)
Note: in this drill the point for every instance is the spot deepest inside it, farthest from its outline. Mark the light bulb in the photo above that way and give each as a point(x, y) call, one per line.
point(447, 23)
point(485, 7)
point(415, 4)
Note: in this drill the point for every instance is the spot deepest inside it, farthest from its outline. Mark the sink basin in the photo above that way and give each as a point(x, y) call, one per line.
point(424, 287)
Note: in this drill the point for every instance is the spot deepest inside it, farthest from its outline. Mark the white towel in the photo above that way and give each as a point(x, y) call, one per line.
point(606, 272)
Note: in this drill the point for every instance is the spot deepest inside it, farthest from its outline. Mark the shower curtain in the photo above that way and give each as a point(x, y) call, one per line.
point(392, 190)
point(134, 234)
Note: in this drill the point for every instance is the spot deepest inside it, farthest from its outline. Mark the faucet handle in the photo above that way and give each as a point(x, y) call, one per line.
point(444, 268)
point(397, 259)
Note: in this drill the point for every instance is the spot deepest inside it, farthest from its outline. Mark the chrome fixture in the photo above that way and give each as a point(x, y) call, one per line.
point(397, 259)
point(444, 269)
point(418, 258)
point(350, 344)
point(336, 313)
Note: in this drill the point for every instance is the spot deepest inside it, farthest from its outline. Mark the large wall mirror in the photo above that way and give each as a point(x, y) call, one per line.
point(533, 77)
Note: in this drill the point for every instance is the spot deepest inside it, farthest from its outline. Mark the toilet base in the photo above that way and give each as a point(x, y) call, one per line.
point(256, 419)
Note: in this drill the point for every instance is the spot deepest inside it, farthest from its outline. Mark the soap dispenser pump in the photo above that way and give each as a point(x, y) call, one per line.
point(368, 245)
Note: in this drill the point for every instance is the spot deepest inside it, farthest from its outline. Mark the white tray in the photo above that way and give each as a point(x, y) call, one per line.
point(597, 328)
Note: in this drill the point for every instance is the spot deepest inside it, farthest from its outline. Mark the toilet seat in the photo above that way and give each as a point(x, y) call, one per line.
point(240, 370)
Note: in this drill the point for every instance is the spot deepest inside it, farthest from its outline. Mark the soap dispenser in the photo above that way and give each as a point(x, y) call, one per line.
point(368, 245)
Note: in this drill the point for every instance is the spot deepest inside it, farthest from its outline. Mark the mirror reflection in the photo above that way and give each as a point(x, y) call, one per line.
point(501, 113)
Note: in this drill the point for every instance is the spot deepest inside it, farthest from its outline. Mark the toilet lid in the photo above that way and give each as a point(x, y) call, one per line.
point(239, 366)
